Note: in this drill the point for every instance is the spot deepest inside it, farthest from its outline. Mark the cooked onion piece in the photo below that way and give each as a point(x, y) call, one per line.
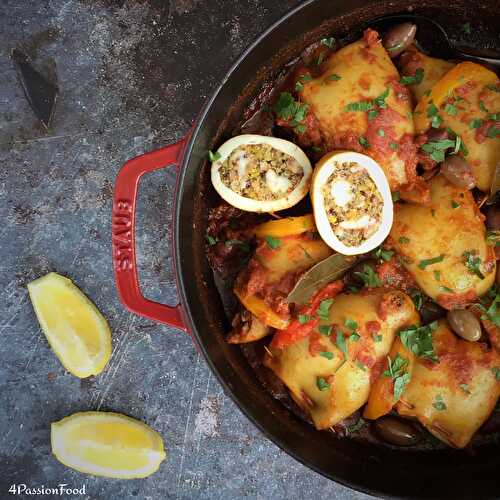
point(352, 202)
point(257, 173)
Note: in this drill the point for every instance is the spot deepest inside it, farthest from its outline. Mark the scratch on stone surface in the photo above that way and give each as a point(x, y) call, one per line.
point(200, 434)
point(14, 316)
point(186, 429)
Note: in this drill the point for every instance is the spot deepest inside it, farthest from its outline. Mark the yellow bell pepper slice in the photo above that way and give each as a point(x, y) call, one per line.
point(261, 310)
point(290, 226)
point(458, 76)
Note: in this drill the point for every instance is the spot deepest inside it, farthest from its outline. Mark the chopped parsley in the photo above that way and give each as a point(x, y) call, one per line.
point(415, 79)
point(395, 196)
point(369, 276)
point(321, 58)
point(351, 324)
point(394, 146)
point(356, 426)
point(465, 388)
point(473, 263)
point(446, 289)
point(304, 318)
point(364, 142)
point(299, 87)
point(288, 109)
point(492, 313)
point(380, 100)
point(397, 370)
point(325, 330)
point(436, 149)
point(433, 114)
point(476, 123)
point(372, 114)
point(493, 238)
point(428, 262)
point(354, 337)
point(404, 240)
point(382, 254)
point(493, 132)
point(418, 339)
point(381, 132)
point(439, 403)
point(272, 242)
point(211, 240)
point(450, 109)
point(418, 298)
point(482, 107)
point(454, 204)
point(326, 354)
point(340, 341)
point(437, 275)
point(359, 106)
point(323, 309)
point(493, 87)
point(496, 371)
point(334, 77)
point(328, 42)
point(396, 47)
point(213, 156)
point(322, 384)
point(377, 337)
point(306, 77)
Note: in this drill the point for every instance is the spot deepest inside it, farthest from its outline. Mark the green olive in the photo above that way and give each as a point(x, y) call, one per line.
point(464, 324)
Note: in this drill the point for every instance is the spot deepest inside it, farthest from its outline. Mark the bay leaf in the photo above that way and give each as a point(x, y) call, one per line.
point(324, 272)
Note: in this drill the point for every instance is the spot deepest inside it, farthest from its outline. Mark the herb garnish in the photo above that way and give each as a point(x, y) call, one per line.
point(446, 289)
point(493, 238)
point(465, 388)
point(397, 370)
point(369, 276)
point(454, 204)
point(377, 337)
point(439, 403)
point(418, 339)
point(323, 309)
point(369, 105)
point(496, 371)
point(304, 318)
point(381, 132)
point(325, 330)
point(211, 240)
point(418, 298)
point(403, 240)
point(287, 108)
point(433, 114)
point(476, 123)
point(492, 313)
point(356, 426)
point(351, 324)
point(428, 262)
point(473, 263)
point(383, 254)
point(299, 87)
point(493, 132)
point(340, 341)
point(466, 28)
point(354, 337)
point(322, 384)
point(415, 79)
point(364, 142)
point(328, 42)
point(326, 354)
point(436, 149)
point(213, 156)
point(395, 196)
point(450, 109)
point(272, 242)
point(437, 275)
point(395, 47)
point(482, 107)
point(334, 77)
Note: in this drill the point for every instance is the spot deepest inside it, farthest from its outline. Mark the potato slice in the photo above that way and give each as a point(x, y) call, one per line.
point(304, 367)
point(359, 73)
point(432, 67)
point(247, 328)
point(465, 102)
point(441, 233)
point(454, 397)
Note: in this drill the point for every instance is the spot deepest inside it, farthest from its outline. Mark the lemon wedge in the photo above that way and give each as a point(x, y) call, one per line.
point(76, 330)
point(107, 444)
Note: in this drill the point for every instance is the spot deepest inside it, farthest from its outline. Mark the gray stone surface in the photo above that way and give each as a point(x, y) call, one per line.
point(132, 77)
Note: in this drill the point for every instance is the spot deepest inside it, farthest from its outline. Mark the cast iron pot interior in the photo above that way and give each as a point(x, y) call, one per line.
point(362, 466)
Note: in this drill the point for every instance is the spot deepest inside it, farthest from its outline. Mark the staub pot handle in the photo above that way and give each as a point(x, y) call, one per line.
point(123, 237)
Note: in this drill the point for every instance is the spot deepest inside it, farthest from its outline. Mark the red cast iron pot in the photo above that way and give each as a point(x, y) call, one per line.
point(362, 466)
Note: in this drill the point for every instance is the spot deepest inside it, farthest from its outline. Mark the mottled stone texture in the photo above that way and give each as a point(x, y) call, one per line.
point(132, 76)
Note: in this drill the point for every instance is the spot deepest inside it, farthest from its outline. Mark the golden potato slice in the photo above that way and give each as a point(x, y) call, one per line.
point(433, 69)
point(247, 328)
point(454, 397)
point(360, 73)
point(433, 241)
point(363, 326)
point(467, 104)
